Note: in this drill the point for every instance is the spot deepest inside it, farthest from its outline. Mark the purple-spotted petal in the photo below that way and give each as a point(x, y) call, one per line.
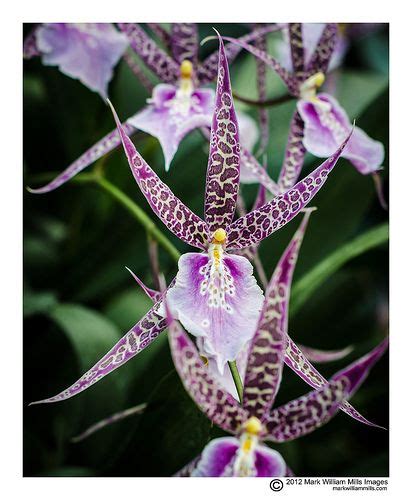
point(326, 123)
point(223, 170)
point(87, 52)
point(162, 65)
point(305, 414)
point(218, 405)
point(266, 355)
point(176, 216)
point(135, 340)
point(217, 299)
point(172, 114)
point(297, 49)
point(322, 54)
point(322, 356)
point(219, 457)
point(294, 154)
point(261, 223)
point(184, 42)
point(289, 79)
point(298, 362)
point(104, 146)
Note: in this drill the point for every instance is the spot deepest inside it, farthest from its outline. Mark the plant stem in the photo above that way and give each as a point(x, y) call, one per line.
point(263, 103)
point(140, 215)
point(236, 379)
point(128, 203)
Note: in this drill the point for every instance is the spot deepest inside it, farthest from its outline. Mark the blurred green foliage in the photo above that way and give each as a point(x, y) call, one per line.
point(79, 299)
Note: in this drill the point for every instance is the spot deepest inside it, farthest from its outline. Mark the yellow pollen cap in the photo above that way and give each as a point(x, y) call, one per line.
point(205, 360)
point(219, 235)
point(186, 69)
point(253, 426)
point(318, 79)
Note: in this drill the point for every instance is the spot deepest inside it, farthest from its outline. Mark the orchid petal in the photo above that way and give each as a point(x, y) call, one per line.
point(222, 181)
point(294, 154)
point(305, 414)
point(218, 405)
point(184, 42)
point(87, 52)
point(207, 71)
point(298, 362)
point(163, 66)
point(259, 224)
point(136, 339)
point(102, 147)
point(219, 456)
point(288, 78)
point(322, 356)
point(176, 216)
point(170, 118)
point(218, 300)
point(326, 123)
point(297, 49)
point(266, 355)
point(163, 35)
point(323, 52)
point(153, 295)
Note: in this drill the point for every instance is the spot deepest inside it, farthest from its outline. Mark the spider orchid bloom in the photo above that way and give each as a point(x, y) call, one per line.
point(178, 105)
point(252, 422)
point(319, 123)
point(212, 289)
point(281, 283)
point(87, 52)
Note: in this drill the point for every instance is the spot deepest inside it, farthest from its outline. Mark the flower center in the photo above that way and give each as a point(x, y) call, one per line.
point(309, 87)
point(244, 465)
point(219, 236)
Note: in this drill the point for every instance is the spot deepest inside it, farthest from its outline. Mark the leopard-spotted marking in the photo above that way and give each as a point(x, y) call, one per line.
point(297, 50)
point(305, 414)
point(223, 172)
point(324, 50)
point(215, 402)
point(294, 154)
point(155, 58)
point(185, 42)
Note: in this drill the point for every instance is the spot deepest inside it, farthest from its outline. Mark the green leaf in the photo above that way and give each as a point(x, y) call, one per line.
point(38, 302)
point(312, 280)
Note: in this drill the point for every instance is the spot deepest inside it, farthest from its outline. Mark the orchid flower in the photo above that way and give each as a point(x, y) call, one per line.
point(214, 294)
point(319, 123)
point(252, 422)
point(87, 52)
point(178, 105)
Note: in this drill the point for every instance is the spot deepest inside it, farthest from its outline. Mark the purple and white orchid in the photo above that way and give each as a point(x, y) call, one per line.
point(178, 105)
point(214, 294)
point(87, 52)
point(253, 421)
point(319, 123)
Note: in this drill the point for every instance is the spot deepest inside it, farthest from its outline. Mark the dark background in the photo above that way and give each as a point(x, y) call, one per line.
point(79, 299)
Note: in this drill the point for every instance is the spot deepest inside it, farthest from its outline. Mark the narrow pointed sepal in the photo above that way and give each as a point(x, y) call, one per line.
point(135, 340)
point(261, 223)
point(321, 57)
point(153, 295)
point(176, 216)
point(101, 148)
point(305, 414)
point(223, 171)
point(184, 42)
point(266, 355)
